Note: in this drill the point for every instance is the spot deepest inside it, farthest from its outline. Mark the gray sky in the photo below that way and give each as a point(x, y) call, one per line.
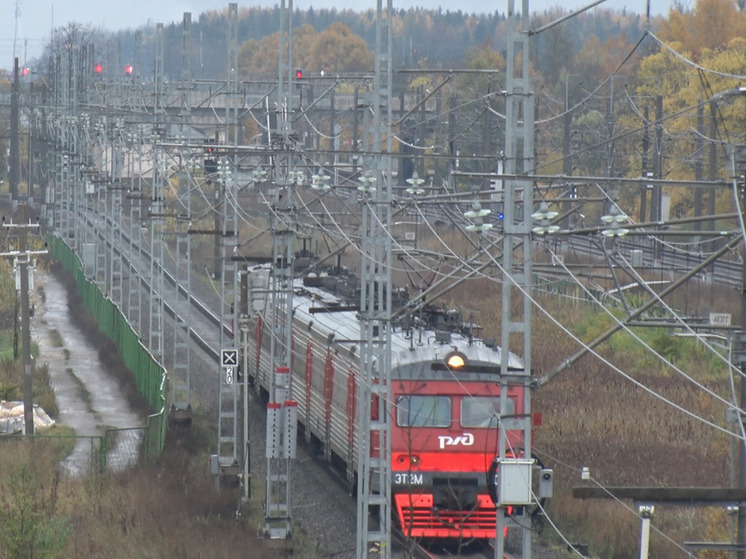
point(37, 17)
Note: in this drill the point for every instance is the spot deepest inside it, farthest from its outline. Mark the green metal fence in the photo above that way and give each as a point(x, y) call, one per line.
point(150, 375)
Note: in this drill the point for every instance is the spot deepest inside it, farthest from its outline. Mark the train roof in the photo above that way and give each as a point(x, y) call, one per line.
point(414, 346)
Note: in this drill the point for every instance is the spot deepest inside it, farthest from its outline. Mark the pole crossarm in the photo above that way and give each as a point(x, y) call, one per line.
point(674, 496)
point(563, 180)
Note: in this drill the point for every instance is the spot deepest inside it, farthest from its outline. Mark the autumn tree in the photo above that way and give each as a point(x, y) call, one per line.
point(686, 75)
point(337, 49)
point(334, 50)
point(712, 24)
point(304, 39)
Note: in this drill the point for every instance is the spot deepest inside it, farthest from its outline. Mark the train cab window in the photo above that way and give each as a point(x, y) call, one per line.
point(482, 411)
point(423, 411)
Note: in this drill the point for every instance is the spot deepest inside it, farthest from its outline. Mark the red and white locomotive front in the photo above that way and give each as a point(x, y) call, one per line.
point(445, 436)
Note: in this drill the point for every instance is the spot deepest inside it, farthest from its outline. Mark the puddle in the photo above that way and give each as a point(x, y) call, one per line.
point(88, 397)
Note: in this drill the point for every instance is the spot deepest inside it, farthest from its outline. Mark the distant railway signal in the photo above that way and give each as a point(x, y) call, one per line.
point(129, 69)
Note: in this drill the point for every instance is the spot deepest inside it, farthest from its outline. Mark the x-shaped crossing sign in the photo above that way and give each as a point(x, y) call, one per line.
point(229, 357)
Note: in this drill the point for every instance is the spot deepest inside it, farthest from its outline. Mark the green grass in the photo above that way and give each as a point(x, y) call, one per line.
point(6, 344)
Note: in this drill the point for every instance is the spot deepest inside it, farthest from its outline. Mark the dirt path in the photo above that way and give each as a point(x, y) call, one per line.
point(88, 397)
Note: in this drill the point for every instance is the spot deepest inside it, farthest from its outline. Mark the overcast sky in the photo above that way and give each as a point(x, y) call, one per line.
point(31, 24)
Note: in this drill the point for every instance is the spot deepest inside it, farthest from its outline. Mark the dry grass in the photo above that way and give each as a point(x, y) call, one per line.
point(168, 509)
point(595, 417)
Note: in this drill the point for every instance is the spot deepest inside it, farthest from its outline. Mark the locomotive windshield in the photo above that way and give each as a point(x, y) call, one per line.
point(423, 411)
point(483, 411)
point(436, 411)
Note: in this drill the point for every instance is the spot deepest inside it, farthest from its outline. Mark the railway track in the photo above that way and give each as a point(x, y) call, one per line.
point(206, 323)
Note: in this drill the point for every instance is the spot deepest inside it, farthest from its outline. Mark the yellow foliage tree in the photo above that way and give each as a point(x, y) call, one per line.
point(338, 49)
point(335, 50)
point(712, 24)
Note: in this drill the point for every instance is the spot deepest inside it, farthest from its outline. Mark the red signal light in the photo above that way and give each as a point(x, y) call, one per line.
point(26, 71)
point(98, 68)
point(128, 69)
point(298, 73)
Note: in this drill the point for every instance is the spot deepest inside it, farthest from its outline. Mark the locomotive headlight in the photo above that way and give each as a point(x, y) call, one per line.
point(408, 460)
point(456, 361)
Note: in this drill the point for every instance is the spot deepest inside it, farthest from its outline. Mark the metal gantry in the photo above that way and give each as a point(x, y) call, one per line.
point(374, 410)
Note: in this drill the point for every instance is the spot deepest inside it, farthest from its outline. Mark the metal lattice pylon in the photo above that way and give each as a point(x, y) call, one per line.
point(516, 265)
point(98, 184)
point(181, 378)
point(114, 225)
point(374, 464)
point(280, 439)
point(134, 293)
point(228, 402)
point(155, 325)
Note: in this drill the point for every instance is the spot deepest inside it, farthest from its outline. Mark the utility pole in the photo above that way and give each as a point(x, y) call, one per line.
point(22, 262)
point(738, 166)
point(567, 154)
point(655, 203)
point(28, 391)
point(22, 258)
point(645, 164)
point(15, 148)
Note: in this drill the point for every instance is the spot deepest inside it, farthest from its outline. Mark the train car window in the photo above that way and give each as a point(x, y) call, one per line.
point(482, 411)
point(423, 411)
